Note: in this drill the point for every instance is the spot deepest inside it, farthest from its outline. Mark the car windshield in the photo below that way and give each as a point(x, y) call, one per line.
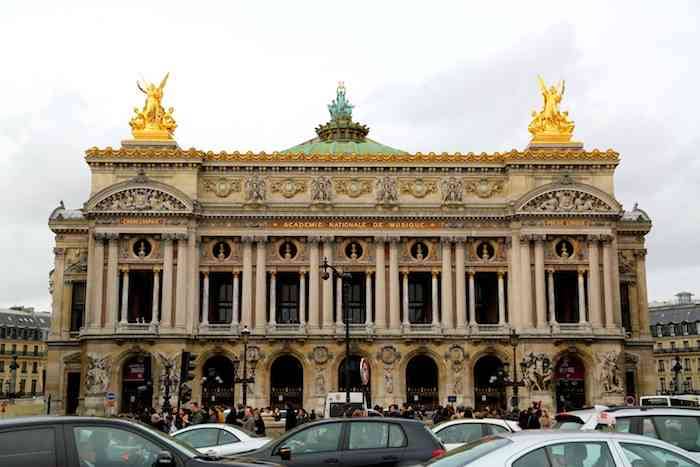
point(470, 452)
point(170, 440)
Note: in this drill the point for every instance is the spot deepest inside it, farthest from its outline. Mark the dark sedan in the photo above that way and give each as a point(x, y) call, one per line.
point(353, 442)
point(95, 442)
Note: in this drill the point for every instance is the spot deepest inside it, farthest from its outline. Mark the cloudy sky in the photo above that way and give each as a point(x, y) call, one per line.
point(426, 76)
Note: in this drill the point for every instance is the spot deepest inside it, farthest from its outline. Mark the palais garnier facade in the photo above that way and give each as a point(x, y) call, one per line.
point(449, 262)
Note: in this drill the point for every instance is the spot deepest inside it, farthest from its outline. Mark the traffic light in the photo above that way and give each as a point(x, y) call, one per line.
point(185, 393)
point(187, 367)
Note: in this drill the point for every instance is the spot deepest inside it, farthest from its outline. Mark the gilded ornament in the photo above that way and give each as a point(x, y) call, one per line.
point(153, 122)
point(484, 188)
point(289, 187)
point(551, 125)
point(354, 187)
point(418, 188)
point(222, 187)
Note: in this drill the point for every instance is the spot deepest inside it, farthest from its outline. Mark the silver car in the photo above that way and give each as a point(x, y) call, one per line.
point(551, 448)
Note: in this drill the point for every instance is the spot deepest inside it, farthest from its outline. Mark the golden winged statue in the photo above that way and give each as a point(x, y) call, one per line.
point(153, 122)
point(550, 125)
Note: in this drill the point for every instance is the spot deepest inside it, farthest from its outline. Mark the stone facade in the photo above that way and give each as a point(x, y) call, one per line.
point(449, 255)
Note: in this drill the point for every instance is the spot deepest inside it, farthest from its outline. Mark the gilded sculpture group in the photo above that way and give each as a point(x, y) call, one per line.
point(548, 126)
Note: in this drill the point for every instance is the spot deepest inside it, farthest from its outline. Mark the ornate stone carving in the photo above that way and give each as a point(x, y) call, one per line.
point(255, 354)
point(387, 190)
point(254, 187)
point(566, 201)
point(98, 371)
point(320, 384)
point(626, 262)
point(388, 380)
point(222, 186)
point(76, 260)
point(321, 189)
point(288, 187)
point(452, 190)
point(174, 362)
point(353, 187)
point(320, 355)
point(484, 188)
point(388, 355)
point(141, 199)
point(609, 372)
point(418, 188)
point(455, 354)
point(537, 371)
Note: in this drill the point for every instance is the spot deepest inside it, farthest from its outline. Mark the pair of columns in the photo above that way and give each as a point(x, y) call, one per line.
point(273, 299)
point(234, 299)
point(125, 296)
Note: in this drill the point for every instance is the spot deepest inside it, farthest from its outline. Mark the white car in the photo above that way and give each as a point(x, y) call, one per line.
point(218, 439)
point(576, 419)
point(456, 433)
point(680, 427)
point(552, 448)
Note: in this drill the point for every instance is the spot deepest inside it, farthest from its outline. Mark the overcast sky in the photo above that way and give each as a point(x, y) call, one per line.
point(424, 75)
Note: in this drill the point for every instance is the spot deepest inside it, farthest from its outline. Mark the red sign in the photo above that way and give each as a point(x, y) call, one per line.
point(134, 372)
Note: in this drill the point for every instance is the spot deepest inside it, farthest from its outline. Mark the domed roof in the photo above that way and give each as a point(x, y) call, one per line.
point(341, 135)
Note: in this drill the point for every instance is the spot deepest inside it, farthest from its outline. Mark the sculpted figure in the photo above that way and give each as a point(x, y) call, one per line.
point(452, 190)
point(387, 191)
point(321, 189)
point(255, 189)
point(152, 121)
point(550, 124)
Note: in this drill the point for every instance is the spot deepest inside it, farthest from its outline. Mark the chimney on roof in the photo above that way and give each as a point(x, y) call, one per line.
point(684, 298)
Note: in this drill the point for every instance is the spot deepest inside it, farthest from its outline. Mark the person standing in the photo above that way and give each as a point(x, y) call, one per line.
point(290, 420)
point(259, 423)
point(249, 420)
point(197, 416)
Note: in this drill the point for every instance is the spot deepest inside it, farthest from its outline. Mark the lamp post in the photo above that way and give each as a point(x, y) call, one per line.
point(167, 381)
point(245, 379)
point(676, 369)
point(346, 276)
point(502, 376)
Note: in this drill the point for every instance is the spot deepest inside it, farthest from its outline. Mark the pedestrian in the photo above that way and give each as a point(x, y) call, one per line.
point(249, 420)
point(197, 414)
point(468, 412)
point(312, 415)
point(291, 419)
point(276, 414)
point(545, 419)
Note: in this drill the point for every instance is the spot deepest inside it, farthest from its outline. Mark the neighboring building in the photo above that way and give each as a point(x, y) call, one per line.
point(23, 333)
point(447, 254)
point(675, 327)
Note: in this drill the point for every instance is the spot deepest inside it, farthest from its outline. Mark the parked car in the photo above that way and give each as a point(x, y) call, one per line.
point(456, 433)
point(92, 441)
point(551, 448)
point(353, 442)
point(219, 439)
point(575, 419)
point(680, 427)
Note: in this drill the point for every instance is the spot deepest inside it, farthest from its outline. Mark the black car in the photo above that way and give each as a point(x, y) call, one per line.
point(350, 442)
point(96, 442)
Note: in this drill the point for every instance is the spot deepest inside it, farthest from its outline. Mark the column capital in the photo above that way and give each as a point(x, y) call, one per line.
point(100, 236)
point(273, 272)
point(59, 251)
point(180, 236)
point(434, 272)
point(550, 270)
point(302, 272)
point(313, 239)
point(446, 240)
point(236, 272)
point(606, 238)
point(539, 238)
point(501, 272)
point(471, 271)
point(508, 242)
point(369, 272)
point(260, 238)
point(156, 269)
point(581, 270)
point(205, 272)
point(393, 239)
point(168, 237)
point(404, 271)
point(525, 238)
point(379, 238)
point(247, 238)
point(124, 268)
point(640, 253)
point(460, 239)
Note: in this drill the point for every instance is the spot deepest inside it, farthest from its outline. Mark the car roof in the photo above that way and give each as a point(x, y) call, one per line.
point(459, 421)
point(628, 411)
point(53, 419)
point(527, 436)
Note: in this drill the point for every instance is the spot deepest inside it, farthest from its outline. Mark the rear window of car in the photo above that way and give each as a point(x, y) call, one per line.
point(470, 452)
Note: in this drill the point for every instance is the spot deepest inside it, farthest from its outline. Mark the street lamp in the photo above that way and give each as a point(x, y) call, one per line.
point(346, 276)
point(245, 379)
point(677, 368)
point(167, 380)
point(502, 377)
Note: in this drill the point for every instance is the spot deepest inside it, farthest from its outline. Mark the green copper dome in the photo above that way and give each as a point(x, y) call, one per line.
point(341, 135)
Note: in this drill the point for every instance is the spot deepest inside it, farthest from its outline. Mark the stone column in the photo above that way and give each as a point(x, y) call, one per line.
point(394, 301)
point(615, 266)
point(166, 307)
point(472, 298)
point(642, 301)
point(446, 279)
point(328, 288)
point(90, 282)
point(540, 300)
point(406, 320)
point(57, 313)
point(193, 245)
point(608, 284)
point(314, 285)
point(98, 277)
point(339, 318)
point(514, 279)
point(594, 282)
point(273, 299)
point(125, 295)
point(581, 296)
point(247, 292)
point(205, 299)
point(112, 282)
point(435, 304)
point(526, 282)
point(368, 297)
point(460, 286)
point(380, 285)
point(550, 293)
point(501, 299)
point(260, 285)
point(66, 306)
point(181, 289)
point(155, 309)
point(234, 304)
point(302, 298)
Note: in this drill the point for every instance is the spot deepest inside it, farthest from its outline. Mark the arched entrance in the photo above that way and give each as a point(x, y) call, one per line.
point(137, 384)
point(217, 381)
point(355, 378)
point(286, 382)
point(488, 387)
point(422, 382)
point(569, 380)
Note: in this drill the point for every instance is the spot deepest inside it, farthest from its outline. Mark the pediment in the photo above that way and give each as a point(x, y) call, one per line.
point(140, 195)
point(570, 199)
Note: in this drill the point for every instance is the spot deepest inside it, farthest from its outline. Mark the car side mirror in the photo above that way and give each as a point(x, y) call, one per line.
point(164, 459)
point(285, 453)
